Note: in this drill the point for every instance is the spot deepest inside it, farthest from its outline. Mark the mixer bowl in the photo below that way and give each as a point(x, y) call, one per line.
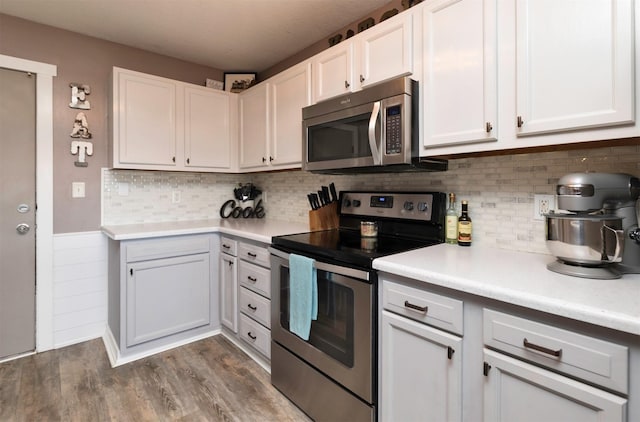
point(584, 239)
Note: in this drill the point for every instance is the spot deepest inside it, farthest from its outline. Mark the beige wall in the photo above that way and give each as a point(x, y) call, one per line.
point(89, 61)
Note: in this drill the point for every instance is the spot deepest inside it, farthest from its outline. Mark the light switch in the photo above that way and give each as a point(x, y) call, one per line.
point(77, 189)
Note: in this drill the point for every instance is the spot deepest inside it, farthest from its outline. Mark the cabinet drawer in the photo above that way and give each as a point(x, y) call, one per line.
point(255, 306)
point(254, 253)
point(228, 245)
point(429, 308)
point(588, 358)
point(255, 278)
point(256, 335)
point(143, 250)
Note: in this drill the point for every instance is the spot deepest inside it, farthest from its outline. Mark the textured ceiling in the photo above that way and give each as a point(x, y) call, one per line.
point(231, 35)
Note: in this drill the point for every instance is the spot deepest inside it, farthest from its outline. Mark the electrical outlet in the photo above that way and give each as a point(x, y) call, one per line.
point(543, 204)
point(175, 197)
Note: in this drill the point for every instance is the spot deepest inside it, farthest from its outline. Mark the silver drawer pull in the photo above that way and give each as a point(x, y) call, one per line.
point(251, 336)
point(422, 309)
point(253, 308)
point(556, 353)
point(252, 279)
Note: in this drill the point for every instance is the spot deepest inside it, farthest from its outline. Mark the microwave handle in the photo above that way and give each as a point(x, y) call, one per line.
point(373, 144)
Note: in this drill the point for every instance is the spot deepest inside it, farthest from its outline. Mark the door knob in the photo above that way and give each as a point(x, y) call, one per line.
point(22, 228)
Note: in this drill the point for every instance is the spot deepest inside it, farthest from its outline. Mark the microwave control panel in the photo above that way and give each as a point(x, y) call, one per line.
point(393, 130)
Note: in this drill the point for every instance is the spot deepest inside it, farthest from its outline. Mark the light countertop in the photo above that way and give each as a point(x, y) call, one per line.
point(522, 279)
point(260, 230)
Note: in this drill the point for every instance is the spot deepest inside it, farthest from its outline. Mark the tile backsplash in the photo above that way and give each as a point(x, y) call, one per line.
point(499, 189)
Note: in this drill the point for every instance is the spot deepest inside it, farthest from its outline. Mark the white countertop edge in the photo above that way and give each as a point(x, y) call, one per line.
point(588, 314)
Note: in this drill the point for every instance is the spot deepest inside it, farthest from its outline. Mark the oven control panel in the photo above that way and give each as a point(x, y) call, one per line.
point(404, 205)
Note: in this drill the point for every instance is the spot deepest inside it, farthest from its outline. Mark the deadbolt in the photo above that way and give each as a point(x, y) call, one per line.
point(22, 228)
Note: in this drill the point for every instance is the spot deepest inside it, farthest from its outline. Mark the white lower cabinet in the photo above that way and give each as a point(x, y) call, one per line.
point(421, 376)
point(517, 391)
point(162, 293)
point(229, 284)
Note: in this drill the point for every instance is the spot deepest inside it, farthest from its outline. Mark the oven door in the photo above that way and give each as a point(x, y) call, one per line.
point(341, 340)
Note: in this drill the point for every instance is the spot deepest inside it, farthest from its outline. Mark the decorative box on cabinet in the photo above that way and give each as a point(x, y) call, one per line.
point(162, 124)
point(162, 293)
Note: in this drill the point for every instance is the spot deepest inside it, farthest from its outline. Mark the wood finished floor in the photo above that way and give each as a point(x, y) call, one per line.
point(210, 380)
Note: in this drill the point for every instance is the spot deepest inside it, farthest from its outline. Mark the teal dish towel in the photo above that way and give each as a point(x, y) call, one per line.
point(303, 295)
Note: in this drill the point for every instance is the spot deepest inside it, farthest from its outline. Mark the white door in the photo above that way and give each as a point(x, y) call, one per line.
point(517, 391)
point(207, 128)
point(254, 127)
point(421, 377)
point(460, 72)
point(575, 63)
point(333, 71)
point(290, 92)
point(17, 212)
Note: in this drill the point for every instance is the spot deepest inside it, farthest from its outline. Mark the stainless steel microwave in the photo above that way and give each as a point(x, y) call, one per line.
point(373, 130)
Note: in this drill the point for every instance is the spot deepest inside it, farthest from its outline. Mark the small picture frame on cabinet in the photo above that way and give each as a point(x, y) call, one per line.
point(238, 82)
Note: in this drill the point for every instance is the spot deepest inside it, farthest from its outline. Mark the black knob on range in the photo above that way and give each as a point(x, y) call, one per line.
point(356, 202)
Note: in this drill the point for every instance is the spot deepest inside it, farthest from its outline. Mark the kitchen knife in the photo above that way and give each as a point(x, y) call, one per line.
point(334, 194)
point(325, 194)
point(313, 205)
point(316, 201)
point(321, 196)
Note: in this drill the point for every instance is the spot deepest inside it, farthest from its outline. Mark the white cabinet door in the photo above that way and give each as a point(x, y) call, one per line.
point(517, 391)
point(421, 377)
point(254, 127)
point(167, 296)
point(386, 50)
point(144, 120)
point(333, 71)
point(290, 92)
point(575, 64)
point(207, 128)
point(229, 292)
point(460, 72)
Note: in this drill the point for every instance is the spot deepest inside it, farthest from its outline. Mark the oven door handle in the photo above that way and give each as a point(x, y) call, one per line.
point(323, 266)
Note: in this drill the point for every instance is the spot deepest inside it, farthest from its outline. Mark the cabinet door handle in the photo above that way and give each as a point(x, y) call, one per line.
point(131, 271)
point(488, 127)
point(450, 352)
point(264, 160)
point(520, 121)
point(253, 308)
point(270, 158)
point(188, 161)
point(224, 245)
point(346, 84)
point(361, 78)
point(485, 369)
point(251, 336)
point(230, 263)
point(252, 279)
point(422, 309)
point(173, 159)
point(252, 255)
point(533, 346)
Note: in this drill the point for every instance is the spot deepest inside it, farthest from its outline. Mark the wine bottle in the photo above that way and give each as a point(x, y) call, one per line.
point(451, 225)
point(464, 226)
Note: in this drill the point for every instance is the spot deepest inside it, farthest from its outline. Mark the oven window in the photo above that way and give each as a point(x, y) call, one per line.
point(332, 332)
point(339, 140)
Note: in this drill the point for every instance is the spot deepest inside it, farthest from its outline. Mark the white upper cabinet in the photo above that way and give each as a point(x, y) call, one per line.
point(460, 90)
point(386, 50)
point(254, 127)
point(144, 120)
point(290, 92)
point(574, 64)
point(207, 128)
point(382, 52)
point(162, 124)
point(333, 71)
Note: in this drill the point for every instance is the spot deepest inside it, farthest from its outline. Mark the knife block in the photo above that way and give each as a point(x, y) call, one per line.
point(324, 218)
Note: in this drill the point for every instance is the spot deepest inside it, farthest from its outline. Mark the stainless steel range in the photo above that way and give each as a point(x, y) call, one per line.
point(332, 375)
